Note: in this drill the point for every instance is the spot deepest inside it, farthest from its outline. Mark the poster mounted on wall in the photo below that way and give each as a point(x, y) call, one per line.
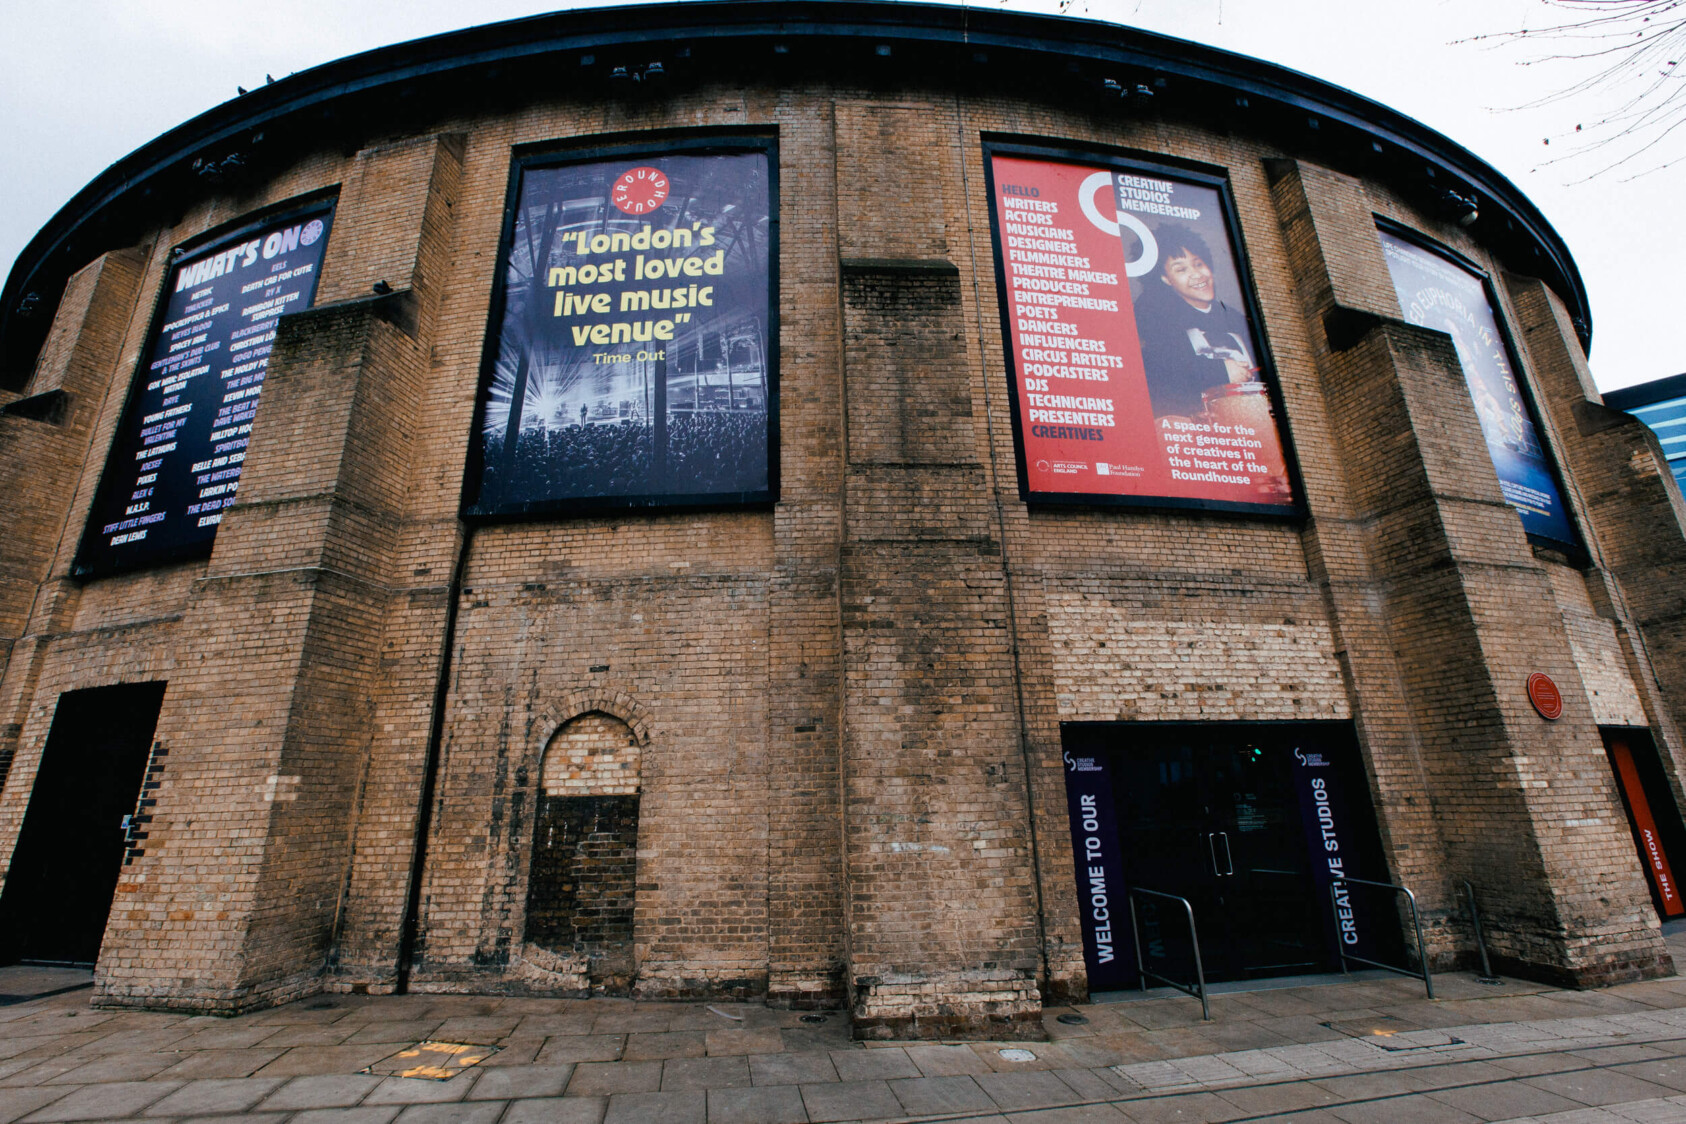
point(1139, 374)
point(1438, 292)
point(632, 357)
point(175, 464)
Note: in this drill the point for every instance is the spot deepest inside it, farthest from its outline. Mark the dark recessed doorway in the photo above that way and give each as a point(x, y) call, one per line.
point(1248, 822)
point(70, 849)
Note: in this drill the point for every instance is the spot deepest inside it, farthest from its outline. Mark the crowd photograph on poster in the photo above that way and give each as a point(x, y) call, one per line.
point(633, 360)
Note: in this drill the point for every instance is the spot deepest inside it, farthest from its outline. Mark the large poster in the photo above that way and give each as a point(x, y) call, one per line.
point(633, 359)
point(1436, 292)
point(1138, 373)
point(175, 464)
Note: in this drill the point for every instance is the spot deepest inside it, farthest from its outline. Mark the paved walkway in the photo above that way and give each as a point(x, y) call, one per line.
point(1366, 1051)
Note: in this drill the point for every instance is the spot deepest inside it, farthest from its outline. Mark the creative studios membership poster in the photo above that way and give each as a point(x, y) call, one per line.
point(634, 360)
point(1436, 292)
point(1137, 370)
point(175, 464)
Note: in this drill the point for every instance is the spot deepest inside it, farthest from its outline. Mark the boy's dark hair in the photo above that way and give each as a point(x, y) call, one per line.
point(1176, 240)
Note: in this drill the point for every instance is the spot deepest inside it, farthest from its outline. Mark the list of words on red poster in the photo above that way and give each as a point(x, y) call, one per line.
point(1136, 367)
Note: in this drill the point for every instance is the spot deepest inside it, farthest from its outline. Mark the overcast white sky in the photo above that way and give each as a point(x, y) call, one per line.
point(84, 83)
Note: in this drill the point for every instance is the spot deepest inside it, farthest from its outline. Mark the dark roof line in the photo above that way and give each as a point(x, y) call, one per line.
point(1060, 38)
point(1645, 393)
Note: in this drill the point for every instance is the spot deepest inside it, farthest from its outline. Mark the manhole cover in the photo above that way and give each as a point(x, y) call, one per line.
point(812, 1019)
point(434, 1061)
point(1014, 1054)
point(1071, 1020)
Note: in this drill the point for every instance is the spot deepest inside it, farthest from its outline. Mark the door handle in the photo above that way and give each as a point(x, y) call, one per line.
point(1212, 849)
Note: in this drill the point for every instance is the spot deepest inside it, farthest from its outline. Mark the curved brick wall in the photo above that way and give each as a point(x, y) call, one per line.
point(845, 707)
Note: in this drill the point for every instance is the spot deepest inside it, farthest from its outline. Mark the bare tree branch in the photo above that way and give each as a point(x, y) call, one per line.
point(1639, 51)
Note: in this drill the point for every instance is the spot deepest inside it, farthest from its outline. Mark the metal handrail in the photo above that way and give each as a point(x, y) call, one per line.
point(1416, 922)
point(1198, 990)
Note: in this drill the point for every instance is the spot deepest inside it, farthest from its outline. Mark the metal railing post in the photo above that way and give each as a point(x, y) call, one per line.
point(1199, 988)
point(1416, 924)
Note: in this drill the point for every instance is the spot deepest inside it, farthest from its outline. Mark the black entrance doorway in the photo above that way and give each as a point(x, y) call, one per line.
point(1249, 823)
point(70, 849)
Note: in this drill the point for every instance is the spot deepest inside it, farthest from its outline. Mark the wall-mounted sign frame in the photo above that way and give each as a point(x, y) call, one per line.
point(1140, 373)
point(175, 463)
point(1440, 288)
point(631, 355)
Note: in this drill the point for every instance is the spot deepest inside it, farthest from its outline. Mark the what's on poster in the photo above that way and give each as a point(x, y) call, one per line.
point(176, 461)
point(1138, 371)
point(1436, 292)
point(632, 356)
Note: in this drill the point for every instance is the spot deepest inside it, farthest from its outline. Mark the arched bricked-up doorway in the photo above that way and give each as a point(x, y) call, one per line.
point(582, 885)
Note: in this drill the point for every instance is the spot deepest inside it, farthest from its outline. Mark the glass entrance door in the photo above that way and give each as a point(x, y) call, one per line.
point(1215, 819)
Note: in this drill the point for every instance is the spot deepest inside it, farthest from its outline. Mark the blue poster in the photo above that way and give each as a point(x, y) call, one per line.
point(1436, 292)
point(1108, 950)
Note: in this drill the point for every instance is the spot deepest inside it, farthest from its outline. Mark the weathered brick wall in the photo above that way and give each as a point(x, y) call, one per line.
point(1541, 844)
point(41, 458)
point(845, 711)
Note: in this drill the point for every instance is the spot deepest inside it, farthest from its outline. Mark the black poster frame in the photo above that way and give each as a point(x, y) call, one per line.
point(1158, 164)
point(87, 565)
point(549, 155)
point(1575, 551)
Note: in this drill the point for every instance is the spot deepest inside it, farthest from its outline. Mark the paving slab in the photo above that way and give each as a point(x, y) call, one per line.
point(663, 1044)
point(766, 1104)
point(328, 1090)
point(867, 1065)
point(1413, 1109)
point(421, 1090)
point(374, 1114)
point(1075, 1114)
point(946, 1061)
point(850, 1100)
point(509, 1083)
point(555, 1110)
point(1187, 1108)
point(474, 1112)
point(791, 1069)
point(705, 1073)
point(930, 1095)
point(1508, 1101)
point(203, 1098)
point(100, 1102)
point(1031, 1089)
point(607, 1078)
point(581, 1048)
point(21, 1102)
point(680, 1106)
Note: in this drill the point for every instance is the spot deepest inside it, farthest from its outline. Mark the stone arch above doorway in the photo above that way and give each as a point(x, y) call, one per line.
point(592, 754)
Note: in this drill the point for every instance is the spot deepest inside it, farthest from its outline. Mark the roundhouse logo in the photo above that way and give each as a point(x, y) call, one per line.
point(639, 191)
point(1149, 257)
point(311, 232)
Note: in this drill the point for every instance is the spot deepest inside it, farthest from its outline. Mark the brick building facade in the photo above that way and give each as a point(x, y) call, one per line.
point(812, 750)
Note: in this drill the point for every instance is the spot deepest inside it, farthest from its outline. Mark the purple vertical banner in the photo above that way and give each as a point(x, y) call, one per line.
point(1332, 842)
point(1108, 951)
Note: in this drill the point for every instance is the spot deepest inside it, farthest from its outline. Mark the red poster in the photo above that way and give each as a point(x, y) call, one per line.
point(1136, 368)
point(1645, 827)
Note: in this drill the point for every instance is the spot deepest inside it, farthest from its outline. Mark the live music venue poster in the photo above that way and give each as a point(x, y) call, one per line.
point(1138, 372)
point(632, 355)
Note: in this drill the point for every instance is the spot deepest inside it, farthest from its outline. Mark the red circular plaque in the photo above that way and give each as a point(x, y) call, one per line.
point(639, 191)
point(1545, 696)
